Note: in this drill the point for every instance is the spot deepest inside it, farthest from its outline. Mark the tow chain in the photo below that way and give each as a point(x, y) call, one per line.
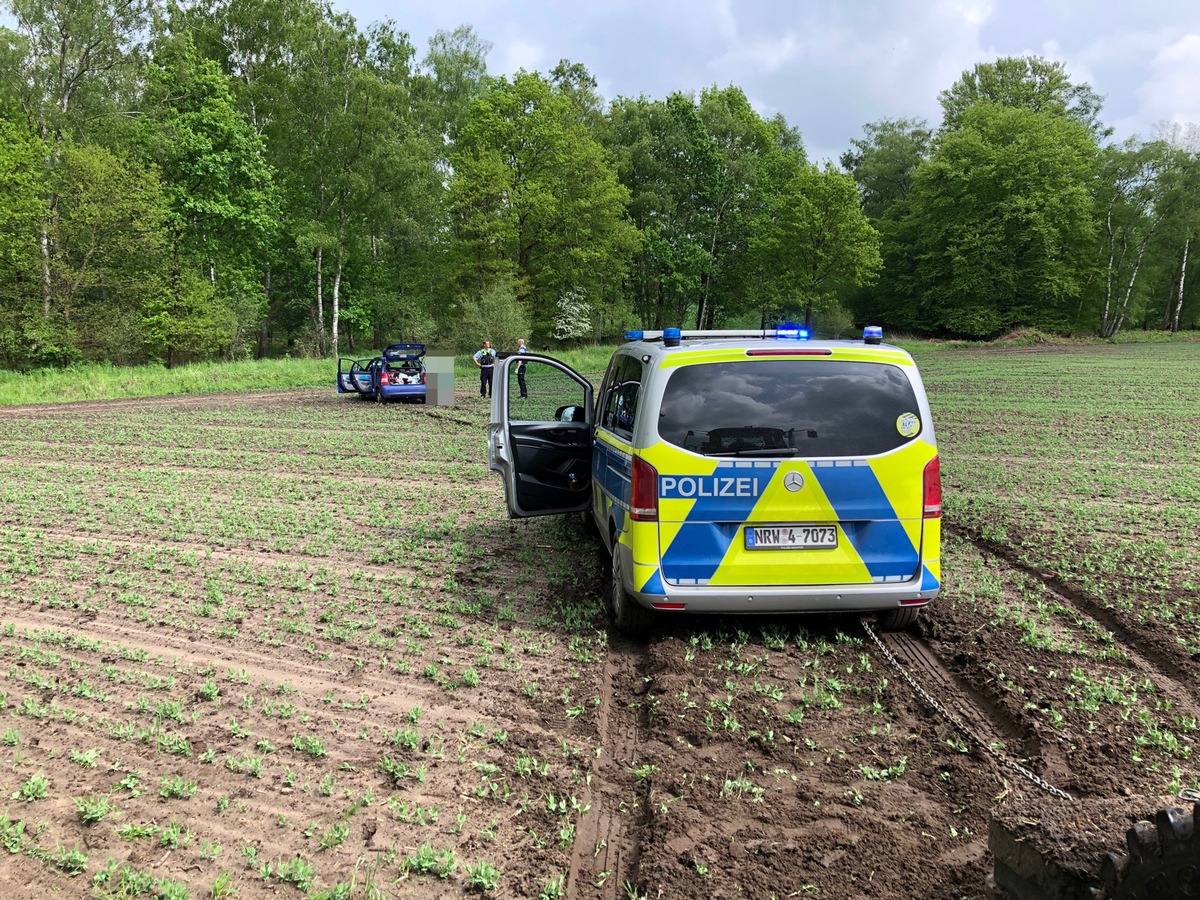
point(958, 723)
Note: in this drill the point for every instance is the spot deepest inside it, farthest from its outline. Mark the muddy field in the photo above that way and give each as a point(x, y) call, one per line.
point(289, 644)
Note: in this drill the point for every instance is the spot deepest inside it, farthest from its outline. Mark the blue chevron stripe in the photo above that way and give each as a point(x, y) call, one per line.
point(928, 582)
point(698, 548)
point(868, 519)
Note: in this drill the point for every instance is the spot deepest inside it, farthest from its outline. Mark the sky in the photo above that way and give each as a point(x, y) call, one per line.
point(832, 66)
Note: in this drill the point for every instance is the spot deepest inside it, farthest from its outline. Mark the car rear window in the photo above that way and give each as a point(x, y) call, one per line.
point(799, 407)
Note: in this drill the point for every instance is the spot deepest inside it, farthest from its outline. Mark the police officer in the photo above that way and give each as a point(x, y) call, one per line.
point(521, 349)
point(485, 359)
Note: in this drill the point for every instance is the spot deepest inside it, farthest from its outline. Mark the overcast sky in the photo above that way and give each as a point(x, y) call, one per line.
point(832, 66)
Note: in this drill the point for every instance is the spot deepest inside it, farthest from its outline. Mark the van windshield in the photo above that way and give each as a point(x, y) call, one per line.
point(789, 407)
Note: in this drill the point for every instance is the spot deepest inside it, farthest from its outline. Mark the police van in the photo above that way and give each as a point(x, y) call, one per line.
point(735, 472)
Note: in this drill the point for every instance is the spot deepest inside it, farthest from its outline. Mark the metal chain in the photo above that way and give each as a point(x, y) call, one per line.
point(954, 720)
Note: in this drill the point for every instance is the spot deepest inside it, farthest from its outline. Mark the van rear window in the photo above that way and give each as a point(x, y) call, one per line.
point(810, 408)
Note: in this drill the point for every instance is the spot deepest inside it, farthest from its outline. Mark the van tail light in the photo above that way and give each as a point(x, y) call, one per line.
point(933, 489)
point(422, 376)
point(643, 496)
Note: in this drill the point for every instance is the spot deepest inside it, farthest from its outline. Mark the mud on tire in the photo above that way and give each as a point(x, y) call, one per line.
point(1162, 861)
point(627, 615)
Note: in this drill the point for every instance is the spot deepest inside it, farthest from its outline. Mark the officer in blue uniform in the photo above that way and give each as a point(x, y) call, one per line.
point(485, 359)
point(521, 349)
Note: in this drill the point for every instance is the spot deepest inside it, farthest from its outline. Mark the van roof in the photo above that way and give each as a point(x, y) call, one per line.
point(714, 343)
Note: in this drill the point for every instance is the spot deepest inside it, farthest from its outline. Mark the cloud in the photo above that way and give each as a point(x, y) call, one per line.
point(1169, 92)
point(762, 55)
point(832, 66)
point(524, 54)
point(974, 13)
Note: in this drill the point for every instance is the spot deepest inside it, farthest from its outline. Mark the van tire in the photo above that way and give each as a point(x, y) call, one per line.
point(628, 616)
point(1162, 858)
point(897, 619)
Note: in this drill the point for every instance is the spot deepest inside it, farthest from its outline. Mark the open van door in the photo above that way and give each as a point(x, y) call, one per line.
point(540, 435)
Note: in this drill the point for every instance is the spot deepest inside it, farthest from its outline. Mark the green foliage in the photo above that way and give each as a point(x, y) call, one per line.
point(219, 181)
point(96, 382)
point(310, 744)
point(998, 228)
point(21, 186)
point(534, 199)
point(176, 787)
point(1149, 200)
point(883, 163)
point(483, 876)
point(812, 237)
point(36, 788)
point(187, 322)
point(661, 151)
point(110, 246)
point(27, 338)
point(430, 860)
point(495, 315)
point(699, 172)
point(1027, 82)
point(219, 191)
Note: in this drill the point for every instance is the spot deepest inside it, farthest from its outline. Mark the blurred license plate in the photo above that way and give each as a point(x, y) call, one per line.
point(792, 537)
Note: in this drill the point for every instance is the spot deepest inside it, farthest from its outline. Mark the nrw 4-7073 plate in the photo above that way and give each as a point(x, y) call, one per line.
point(792, 537)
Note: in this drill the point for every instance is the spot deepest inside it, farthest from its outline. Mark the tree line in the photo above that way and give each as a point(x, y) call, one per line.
point(191, 179)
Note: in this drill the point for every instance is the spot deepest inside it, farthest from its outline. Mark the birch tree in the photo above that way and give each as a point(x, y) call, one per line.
point(1133, 204)
point(73, 52)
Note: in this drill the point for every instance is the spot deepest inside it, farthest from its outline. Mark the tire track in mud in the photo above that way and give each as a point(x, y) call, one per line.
point(992, 731)
point(1007, 738)
point(607, 847)
point(986, 719)
point(1178, 677)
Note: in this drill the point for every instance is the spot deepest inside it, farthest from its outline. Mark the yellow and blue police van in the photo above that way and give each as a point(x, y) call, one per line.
point(735, 472)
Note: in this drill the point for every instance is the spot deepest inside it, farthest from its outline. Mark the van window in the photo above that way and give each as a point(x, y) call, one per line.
point(620, 403)
point(806, 408)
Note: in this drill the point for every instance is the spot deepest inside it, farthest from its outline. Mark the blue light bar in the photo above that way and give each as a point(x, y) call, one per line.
point(671, 337)
point(873, 334)
point(789, 331)
point(633, 335)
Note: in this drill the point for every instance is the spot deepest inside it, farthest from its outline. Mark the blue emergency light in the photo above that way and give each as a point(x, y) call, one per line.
point(873, 334)
point(791, 332)
point(633, 335)
point(672, 337)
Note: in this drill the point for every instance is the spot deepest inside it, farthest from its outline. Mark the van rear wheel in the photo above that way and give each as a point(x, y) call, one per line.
point(628, 616)
point(897, 619)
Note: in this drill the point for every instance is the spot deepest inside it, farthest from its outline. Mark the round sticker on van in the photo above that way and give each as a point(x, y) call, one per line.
point(908, 424)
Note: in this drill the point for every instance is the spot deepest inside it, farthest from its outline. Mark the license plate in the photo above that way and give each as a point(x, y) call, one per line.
point(792, 537)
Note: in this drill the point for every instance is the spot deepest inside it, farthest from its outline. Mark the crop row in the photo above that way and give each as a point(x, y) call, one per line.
point(1085, 466)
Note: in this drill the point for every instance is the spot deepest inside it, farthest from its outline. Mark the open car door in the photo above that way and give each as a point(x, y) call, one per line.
point(541, 443)
point(356, 375)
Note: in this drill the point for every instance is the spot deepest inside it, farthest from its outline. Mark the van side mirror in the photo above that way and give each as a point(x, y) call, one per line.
point(570, 414)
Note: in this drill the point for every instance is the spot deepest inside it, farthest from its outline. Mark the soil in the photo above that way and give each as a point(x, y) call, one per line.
point(722, 758)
